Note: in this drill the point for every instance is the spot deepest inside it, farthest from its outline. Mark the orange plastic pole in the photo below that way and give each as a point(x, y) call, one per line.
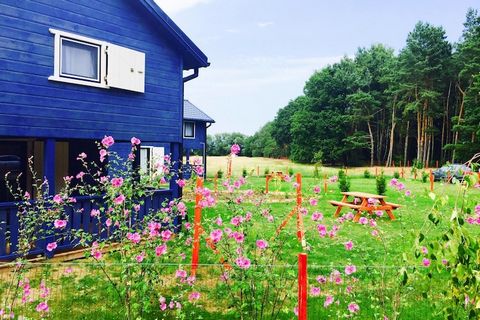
point(299, 205)
point(401, 173)
point(302, 286)
point(215, 181)
point(431, 180)
point(197, 228)
point(267, 178)
point(229, 173)
point(258, 171)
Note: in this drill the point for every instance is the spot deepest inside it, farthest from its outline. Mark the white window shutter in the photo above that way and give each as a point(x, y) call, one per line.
point(126, 68)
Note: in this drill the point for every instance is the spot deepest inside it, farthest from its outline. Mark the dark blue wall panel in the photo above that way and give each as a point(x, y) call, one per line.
point(200, 137)
point(33, 106)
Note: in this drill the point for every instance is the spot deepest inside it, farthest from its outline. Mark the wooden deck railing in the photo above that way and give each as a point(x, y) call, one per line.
point(78, 218)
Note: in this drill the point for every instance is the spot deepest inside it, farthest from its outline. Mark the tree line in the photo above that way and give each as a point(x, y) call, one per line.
point(422, 104)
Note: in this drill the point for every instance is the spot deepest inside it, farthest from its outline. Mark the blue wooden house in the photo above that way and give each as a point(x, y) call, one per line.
point(195, 125)
point(74, 71)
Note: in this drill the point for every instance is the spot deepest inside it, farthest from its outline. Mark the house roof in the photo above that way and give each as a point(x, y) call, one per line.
point(191, 112)
point(193, 57)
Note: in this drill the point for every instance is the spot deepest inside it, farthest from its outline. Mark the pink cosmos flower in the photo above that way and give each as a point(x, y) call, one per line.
point(160, 250)
point(235, 149)
point(315, 291)
point(117, 182)
point(108, 141)
point(353, 307)
point(26, 195)
point(317, 216)
point(135, 141)
point(57, 199)
point(68, 270)
point(363, 220)
point(375, 233)
point(349, 245)
point(51, 246)
point(313, 201)
point(393, 182)
point(243, 262)
point(424, 250)
point(80, 175)
point(236, 221)
point(166, 235)
point(140, 257)
point(316, 189)
point(103, 153)
point(328, 301)
point(444, 262)
point(82, 156)
point(349, 216)
point(108, 222)
point(426, 262)
point(321, 279)
point(119, 200)
point(134, 237)
point(42, 307)
point(248, 216)
point(199, 170)
point(216, 235)
point(181, 207)
point(349, 269)
point(379, 213)
point(181, 274)
point(262, 244)
point(181, 183)
point(59, 224)
point(239, 237)
point(333, 179)
point(194, 296)
point(408, 193)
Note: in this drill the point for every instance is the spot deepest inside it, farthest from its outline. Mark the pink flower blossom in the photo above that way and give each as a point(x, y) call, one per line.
point(236, 221)
point(313, 201)
point(235, 149)
point(81, 156)
point(166, 235)
point(239, 237)
point(424, 250)
point(315, 291)
point(108, 141)
point(57, 199)
point(140, 257)
point(317, 216)
point(408, 193)
point(444, 262)
point(216, 235)
point(349, 216)
point(426, 262)
point(243, 262)
point(80, 175)
point(59, 224)
point(119, 200)
point(117, 182)
point(316, 189)
point(103, 153)
point(349, 269)
point(181, 182)
point(51, 246)
point(321, 279)
point(26, 195)
point(42, 307)
point(199, 170)
point(160, 250)
point(135, 141)
point(134, 237)
point(194, 296)
point(262, 244)
point(353, 307)
point(363, 220)
point(181, 274)
point(349, 245)
point(333, 179)
point(375, 233)
point(108, 222)
point(328, 301)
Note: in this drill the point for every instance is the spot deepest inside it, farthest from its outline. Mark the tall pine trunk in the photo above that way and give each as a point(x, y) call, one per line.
point(372, 146)
point(405, 148)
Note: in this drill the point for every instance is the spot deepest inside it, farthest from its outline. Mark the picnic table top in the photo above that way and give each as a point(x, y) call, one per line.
point(364, 195)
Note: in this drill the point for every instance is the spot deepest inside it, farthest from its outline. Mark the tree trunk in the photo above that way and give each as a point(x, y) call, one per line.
point(405, 149)
point(372, 146)
point(460, 113)
point(392, 134)
point(444, 125)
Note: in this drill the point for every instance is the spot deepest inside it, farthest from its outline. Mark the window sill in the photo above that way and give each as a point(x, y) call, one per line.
point(79, 82)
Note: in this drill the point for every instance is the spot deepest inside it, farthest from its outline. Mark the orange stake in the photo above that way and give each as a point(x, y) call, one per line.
point(325, 183)
point(300, 232)
point(197, 227)
point(431, 180)
point(267, 179)
point(302, 286)
point(215, 181)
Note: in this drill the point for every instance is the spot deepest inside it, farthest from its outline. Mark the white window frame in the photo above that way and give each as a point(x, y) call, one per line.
point(194, 125)
point(57, 66)
point(152, 160)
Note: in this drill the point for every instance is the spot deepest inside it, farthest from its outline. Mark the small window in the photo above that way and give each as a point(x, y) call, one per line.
point(151, 159)
point(189, 129)
point(79, 60)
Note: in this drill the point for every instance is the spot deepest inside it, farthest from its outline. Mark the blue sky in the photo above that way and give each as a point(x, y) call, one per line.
point(263, 51)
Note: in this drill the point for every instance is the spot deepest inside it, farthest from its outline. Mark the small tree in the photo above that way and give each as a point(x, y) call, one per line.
point(343, 181)
point(381, 184)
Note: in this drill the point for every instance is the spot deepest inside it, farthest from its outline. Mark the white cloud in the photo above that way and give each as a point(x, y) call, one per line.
point(174, 6)
point(265, 24)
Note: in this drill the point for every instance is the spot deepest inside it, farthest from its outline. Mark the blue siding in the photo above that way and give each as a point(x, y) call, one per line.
point(33, 106)
point(200, 136)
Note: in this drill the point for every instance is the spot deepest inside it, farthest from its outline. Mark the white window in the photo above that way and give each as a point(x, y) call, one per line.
point(91, 62)
point(151, 159)
point(189, 129)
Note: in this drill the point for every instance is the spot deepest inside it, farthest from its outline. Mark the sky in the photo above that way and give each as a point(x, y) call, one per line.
point(262, 51)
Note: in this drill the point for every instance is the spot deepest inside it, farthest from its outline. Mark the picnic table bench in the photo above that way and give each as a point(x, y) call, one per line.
point(367, 202)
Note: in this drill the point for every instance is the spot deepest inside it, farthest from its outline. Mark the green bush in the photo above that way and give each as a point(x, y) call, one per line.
point(266, 171)
point(381, 184)
point(316, 172)
point(425, 176)
point(343, 181)
point(366, 174)
point(290, 171)
point(244, 172)
point(396, 175)
point(219, 174)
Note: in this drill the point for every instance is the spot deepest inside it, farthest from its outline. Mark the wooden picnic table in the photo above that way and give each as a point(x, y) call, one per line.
point(363, 201)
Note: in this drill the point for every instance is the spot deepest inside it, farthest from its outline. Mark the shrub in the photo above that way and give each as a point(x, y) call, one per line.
point(396, 175)
point(244, 172)
point(316, 172)
point(290, 171)
point(343, 181)
point(417, 164)
point(366, 174)
point(266, 171)
point(219, 174)
point(425, 176)
point(381, 184)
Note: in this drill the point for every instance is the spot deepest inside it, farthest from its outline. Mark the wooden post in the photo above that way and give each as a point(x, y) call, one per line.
point(376, 171)
point(408, 163)
point(258, 171)
point(393, 163)
point(431, 180)
point(267, 179)
point(215, 183)
point(436, 164)
point(415, 174)
point(229, 168)
point(197, 227)
point(302, 286)
point(401, 173)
